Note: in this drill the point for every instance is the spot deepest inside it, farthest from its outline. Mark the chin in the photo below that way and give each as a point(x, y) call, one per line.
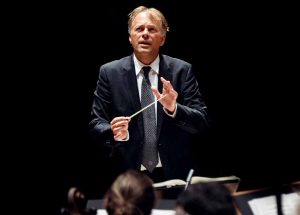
point(144, 48)
point(144, 51)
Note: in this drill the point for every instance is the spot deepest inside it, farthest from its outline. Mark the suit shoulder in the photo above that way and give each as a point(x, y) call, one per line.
point(175, 61)
point(117, 63)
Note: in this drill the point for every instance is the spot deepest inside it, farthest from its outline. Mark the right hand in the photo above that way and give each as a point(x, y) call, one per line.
point(119, 127)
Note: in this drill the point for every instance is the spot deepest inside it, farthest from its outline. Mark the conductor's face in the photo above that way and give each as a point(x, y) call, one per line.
point(146, 35)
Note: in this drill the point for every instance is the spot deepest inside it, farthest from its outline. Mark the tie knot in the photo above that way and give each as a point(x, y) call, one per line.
point(146, 70)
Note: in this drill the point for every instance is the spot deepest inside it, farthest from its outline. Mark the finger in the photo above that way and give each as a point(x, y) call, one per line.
point(166, 84)
point(162, 79)
point(114, 120)
point(119, 132)
point(117, 135)
point(173, 93)
point(118, 119)
point(156, 92)
point(119, 126)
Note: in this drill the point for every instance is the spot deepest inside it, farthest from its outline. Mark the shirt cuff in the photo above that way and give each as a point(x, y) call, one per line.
point(122, 140)
point(171, 114)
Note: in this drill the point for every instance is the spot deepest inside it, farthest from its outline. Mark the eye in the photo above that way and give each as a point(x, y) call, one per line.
point(139, 29)
point(152, 30)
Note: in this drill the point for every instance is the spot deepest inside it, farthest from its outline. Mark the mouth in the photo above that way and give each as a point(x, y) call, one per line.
point(144, 43)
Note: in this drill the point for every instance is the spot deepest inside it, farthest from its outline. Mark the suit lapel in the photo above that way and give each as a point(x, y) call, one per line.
point(164, 71)
point(130, 83)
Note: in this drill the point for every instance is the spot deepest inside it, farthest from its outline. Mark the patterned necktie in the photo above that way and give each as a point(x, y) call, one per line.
point(150, 156)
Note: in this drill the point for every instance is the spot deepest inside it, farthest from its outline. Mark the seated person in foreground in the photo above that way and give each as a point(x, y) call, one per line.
point(209, 198)
point(132, 193)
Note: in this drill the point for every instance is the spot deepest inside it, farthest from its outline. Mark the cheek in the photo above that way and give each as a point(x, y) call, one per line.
point(133, 38)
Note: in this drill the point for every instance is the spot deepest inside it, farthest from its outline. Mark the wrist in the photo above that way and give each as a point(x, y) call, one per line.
point(171, 113)
point(171, 110)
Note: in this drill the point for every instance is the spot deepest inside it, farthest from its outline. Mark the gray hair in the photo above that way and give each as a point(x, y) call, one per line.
point(152, 11)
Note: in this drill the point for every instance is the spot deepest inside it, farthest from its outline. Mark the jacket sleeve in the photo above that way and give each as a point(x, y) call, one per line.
point(191, 113)
point(99, 124)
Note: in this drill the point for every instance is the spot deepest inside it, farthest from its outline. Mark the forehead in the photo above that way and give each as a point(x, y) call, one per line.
point(146, 18)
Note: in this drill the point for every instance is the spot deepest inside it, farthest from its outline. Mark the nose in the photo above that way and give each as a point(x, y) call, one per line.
point(145, 32)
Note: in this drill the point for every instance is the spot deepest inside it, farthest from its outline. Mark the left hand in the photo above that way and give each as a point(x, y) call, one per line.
point(169, 101)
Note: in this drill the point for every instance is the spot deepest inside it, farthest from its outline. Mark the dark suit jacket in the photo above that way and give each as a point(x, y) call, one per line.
point(117, 94)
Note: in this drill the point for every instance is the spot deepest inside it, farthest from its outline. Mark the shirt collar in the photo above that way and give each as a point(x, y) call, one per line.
point(139, 65)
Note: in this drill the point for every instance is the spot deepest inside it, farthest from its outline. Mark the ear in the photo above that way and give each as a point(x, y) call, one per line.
point(129, 38)
point(163, 39)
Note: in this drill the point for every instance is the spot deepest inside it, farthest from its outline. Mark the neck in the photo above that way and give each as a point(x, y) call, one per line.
point(146, 59)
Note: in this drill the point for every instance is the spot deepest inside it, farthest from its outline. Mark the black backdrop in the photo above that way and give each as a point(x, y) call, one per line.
point(243, 58)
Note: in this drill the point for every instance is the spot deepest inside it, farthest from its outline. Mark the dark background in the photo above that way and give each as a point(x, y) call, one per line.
point(243, 57)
